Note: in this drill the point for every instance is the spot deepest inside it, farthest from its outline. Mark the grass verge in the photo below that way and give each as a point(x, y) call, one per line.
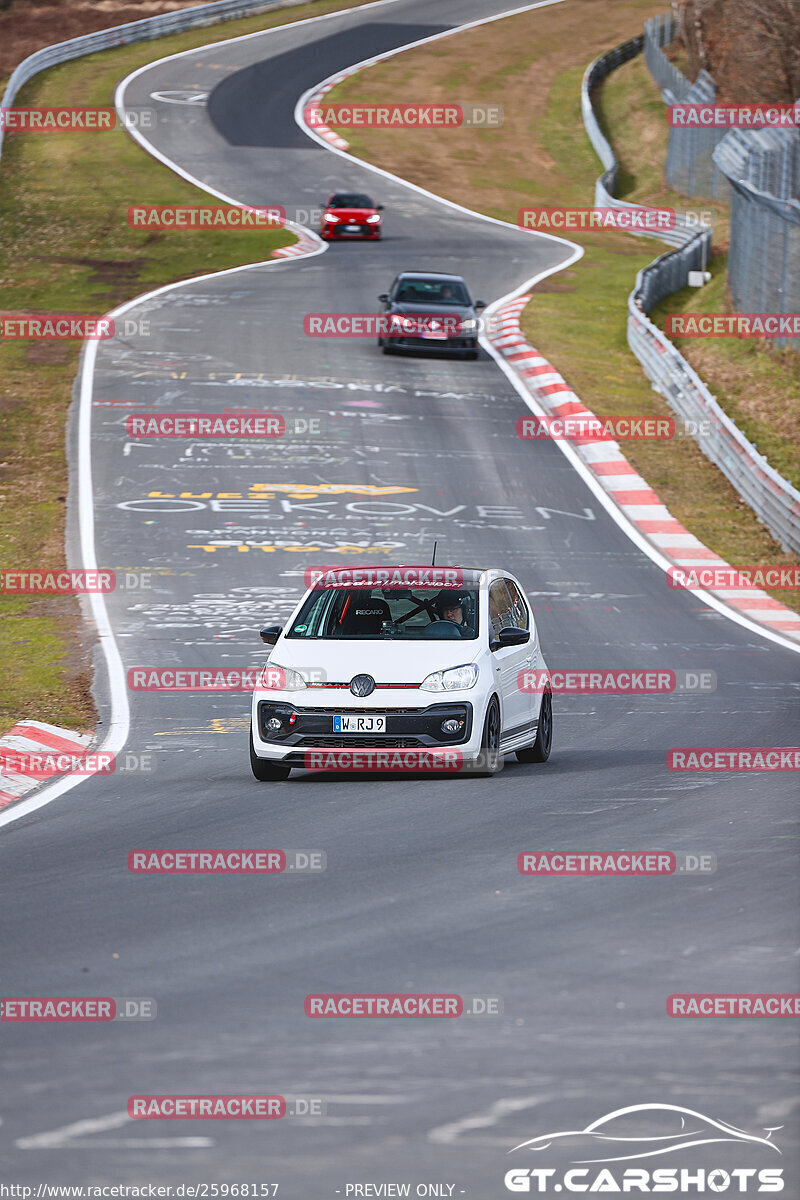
point(532, 64)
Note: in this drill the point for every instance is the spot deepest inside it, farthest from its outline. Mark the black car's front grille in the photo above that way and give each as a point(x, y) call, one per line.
point(359, 742)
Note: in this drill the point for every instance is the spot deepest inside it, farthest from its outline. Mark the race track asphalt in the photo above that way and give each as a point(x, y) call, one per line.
point(421, 891)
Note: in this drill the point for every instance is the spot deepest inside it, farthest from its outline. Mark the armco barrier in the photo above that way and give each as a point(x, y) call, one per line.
point(133, 31)
point(772, 498)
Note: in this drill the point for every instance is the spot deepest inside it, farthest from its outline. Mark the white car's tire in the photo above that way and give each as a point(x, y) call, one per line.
point(264, 769)
point(539, 752)
point(489, 760)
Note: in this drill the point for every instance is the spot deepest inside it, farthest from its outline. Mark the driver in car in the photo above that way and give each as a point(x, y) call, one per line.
point(448, 606)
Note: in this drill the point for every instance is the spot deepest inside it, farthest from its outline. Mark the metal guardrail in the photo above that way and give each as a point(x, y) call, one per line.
point(773, 499)
point(134, 31)
point(606, 185)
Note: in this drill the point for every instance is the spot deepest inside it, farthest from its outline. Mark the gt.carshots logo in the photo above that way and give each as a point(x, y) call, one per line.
point(646, 1131)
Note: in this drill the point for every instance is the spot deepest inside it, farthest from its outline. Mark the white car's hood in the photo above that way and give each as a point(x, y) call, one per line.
point(386, 661)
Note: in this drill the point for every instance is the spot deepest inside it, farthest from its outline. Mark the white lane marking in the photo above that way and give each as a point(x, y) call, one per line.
point(70, 1137)
point(76, 1129)
point(119, 722)
point(588, 477)
point(242, 37)
point(302, 103)
point(630, 530)
point(184, 96)
point(450, 1134)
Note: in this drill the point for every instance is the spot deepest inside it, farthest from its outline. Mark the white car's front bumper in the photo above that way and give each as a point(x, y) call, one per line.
point(413, 722)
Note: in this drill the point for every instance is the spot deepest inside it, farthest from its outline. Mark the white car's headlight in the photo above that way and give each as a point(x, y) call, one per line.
point(456, 679)
point(373, 220)
point(330, 217)
point(469, 323)
point(281, 679)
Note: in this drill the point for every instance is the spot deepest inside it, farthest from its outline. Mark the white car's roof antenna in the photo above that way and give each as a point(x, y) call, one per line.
point(433, 559)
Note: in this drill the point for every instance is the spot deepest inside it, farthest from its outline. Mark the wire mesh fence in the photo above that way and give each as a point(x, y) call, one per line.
point(690, 166)
point(772, 498)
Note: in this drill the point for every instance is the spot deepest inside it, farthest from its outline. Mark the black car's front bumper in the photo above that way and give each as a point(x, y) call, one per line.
point(418, 343)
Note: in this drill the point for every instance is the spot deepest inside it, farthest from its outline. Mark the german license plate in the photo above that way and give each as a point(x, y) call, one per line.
point(434, 335)
point(359, 724)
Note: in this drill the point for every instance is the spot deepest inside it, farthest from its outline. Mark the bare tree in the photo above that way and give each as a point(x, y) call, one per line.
point(751, 47)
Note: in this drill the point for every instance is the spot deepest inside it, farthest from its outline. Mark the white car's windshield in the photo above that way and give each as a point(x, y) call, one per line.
point(388, 614)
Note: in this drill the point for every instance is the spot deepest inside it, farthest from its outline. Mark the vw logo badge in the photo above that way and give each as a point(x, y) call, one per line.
point(362, 685)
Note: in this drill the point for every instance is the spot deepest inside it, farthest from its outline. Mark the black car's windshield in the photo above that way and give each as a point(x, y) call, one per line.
point(350, 200)
point(388, 614)
point(431, 291)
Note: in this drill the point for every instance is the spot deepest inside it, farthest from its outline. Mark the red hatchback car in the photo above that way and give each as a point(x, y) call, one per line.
point(350, 215)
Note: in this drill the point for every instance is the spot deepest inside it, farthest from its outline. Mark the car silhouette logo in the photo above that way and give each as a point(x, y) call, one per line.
point(362, 685)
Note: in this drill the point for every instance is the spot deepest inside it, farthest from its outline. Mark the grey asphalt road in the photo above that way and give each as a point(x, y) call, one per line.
point(421, 891)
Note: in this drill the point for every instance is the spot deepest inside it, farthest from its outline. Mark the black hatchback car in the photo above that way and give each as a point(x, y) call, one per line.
point(431, 311)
